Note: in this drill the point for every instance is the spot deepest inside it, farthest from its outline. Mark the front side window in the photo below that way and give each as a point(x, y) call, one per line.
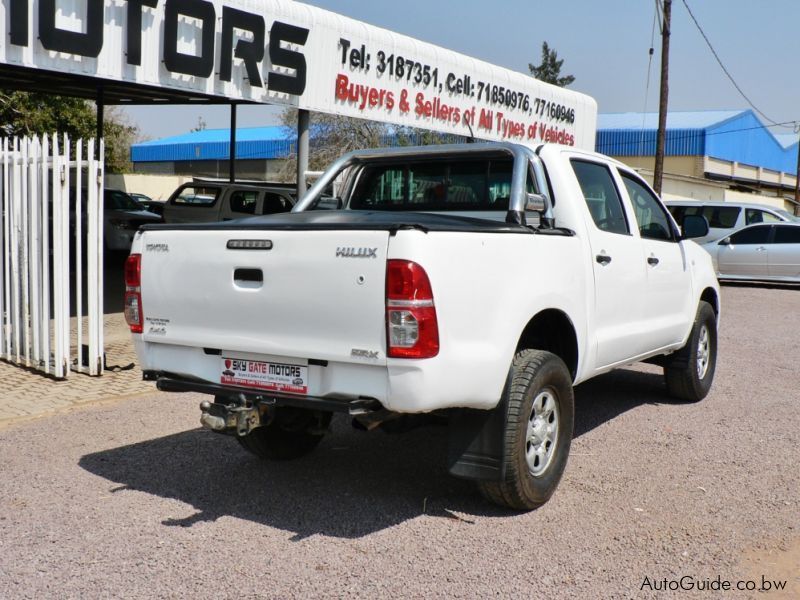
point(650, 216)
point(753, 215)
point(244, 202)
point(721, 217)
point(752, 235)
point(601, 196)
point(275, 203)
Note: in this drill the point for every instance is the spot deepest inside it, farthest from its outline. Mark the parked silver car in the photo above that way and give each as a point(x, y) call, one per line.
point(765, 252)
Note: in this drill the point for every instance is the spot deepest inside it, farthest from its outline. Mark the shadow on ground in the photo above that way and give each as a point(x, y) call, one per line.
point(354, 484)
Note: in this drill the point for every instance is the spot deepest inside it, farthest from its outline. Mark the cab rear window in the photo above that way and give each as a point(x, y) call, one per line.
point(482, 184)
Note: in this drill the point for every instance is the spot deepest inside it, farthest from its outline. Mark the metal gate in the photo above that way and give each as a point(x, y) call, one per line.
point(52, 231)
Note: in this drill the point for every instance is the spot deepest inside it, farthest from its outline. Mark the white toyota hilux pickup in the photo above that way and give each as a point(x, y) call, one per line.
point(476, 283)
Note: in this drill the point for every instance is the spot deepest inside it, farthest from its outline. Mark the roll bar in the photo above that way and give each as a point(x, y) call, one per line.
point(522, 155)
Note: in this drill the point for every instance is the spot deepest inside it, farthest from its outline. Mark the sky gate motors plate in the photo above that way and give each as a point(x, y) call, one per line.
point(263, 375)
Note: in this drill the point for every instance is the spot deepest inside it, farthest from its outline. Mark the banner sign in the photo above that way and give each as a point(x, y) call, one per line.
point(285, 52)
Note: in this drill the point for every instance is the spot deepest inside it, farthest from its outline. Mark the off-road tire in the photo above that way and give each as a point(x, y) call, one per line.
point(686, 377)
point(534, 374)
point(293, 433)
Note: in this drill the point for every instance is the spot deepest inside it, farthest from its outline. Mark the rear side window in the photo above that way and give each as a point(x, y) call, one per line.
point(601, 196)
point(275, 203)
point(678, 212)
point(197, 195)
point(469, 184)
point(787, 235)
point(753, 235)
point(723, 217)
point(244, 202)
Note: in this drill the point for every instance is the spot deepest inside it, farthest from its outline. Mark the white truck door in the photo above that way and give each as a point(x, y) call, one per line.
point(667, 306)
point(619, 272)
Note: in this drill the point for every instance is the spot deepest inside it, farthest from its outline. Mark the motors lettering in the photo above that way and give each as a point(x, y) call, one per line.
point(251, 52)
point(246, 366)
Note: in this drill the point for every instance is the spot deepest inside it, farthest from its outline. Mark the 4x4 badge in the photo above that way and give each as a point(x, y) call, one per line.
point(350, 252)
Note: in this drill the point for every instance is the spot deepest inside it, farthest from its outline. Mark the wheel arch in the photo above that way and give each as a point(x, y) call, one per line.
point(552, 330)
point(710, 295)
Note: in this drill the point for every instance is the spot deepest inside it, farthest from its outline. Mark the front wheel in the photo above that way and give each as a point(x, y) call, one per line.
point(690, 371)
point(538, 432)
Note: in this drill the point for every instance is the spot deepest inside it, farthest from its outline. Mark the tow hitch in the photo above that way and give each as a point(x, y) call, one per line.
point(240, 416)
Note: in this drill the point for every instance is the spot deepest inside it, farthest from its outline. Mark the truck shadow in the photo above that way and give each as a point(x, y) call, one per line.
point(353, 485)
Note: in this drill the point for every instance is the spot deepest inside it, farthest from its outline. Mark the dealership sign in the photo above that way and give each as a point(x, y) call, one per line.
point(285, 52)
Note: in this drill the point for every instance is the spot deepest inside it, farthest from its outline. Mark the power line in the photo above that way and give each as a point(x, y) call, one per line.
point(649, 71)
point(725, 70)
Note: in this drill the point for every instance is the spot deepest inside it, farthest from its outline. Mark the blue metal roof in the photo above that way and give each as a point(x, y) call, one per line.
point(214, 144)
point(251, 143)
point(728, 135)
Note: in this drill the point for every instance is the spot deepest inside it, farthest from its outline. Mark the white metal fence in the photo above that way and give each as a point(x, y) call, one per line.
point(52, 231)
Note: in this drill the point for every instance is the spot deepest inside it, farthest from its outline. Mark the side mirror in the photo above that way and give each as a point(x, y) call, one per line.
point(694, 226)
point(725, 241)
point(328, 203)
point(535, 203)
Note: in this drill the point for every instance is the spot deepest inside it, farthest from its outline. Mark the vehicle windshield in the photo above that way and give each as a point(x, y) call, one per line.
point(466, 184)
point(789, 216)
point(116, 200)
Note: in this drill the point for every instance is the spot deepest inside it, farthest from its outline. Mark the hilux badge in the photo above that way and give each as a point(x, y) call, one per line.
point(350, 252)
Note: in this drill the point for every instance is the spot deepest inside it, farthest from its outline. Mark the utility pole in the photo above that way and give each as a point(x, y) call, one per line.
point(797, 177)
point(658, 172)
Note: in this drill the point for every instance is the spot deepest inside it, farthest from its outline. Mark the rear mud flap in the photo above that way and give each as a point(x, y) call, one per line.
point(476, 442)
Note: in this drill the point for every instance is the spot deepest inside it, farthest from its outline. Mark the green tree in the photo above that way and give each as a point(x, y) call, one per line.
point(334, 135)
point(331, 136)
point(549, 70)
point(28, 113)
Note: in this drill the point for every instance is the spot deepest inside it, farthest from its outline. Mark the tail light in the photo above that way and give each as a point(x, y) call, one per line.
point(133, 293)
point(412, 330)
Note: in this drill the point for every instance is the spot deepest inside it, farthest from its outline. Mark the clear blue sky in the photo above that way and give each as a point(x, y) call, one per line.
point(603, 43)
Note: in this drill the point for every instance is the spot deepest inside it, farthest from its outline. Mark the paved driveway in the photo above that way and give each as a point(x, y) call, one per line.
point(132, 499)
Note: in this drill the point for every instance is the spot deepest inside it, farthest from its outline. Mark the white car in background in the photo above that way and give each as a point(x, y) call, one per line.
point(764, 252)
point(726, 217)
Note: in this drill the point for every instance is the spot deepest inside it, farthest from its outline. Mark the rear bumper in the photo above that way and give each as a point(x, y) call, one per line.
point(172, 383)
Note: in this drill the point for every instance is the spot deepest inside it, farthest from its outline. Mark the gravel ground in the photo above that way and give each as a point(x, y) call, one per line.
point(134, 500)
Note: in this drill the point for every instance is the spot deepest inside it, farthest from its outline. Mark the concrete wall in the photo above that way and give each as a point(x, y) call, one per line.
point(158, 187)
point(261, 169)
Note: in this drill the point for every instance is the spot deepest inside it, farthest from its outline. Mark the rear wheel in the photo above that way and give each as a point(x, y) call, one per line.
point(539, 423)
point(292, 433)
point(690, 371)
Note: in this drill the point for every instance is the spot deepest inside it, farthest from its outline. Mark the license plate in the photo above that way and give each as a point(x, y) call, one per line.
point(263, 375)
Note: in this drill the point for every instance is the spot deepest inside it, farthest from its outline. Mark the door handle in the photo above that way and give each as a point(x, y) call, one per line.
point(603, 259)
point(761, 249)
point(652, 261)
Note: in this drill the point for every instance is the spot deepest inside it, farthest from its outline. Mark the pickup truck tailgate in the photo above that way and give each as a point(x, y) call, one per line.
point(310, 295)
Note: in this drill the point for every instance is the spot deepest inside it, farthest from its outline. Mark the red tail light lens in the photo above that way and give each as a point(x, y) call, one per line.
point(133, 293)
point(412, 330)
